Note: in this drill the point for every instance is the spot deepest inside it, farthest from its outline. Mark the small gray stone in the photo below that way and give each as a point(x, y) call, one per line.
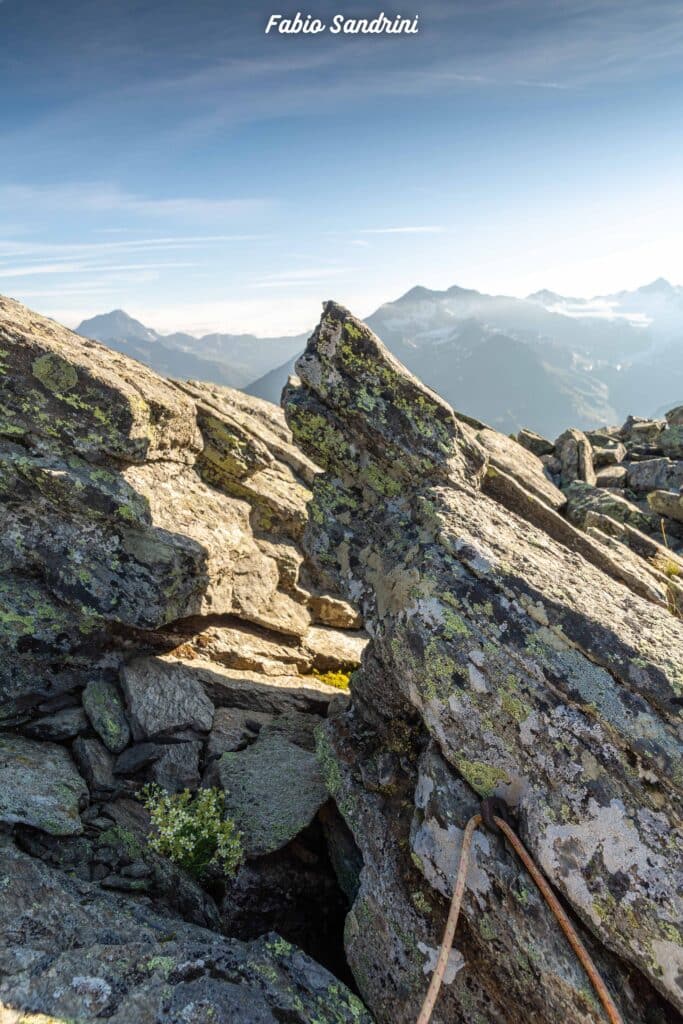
point(120, 883)
point(59, 702)
point(664, 503)
point(655, 475)
point(96, 765)
point(40, 786)
point(511, 458)
point(104, 708)
point(273, 790)
point(611, 453)
point(575, 454)
point(582, 498)
point(63, 725)
point(233, 729)
point(611, 476)
point(638, 430)
point(604, 436)
point(138, 869)
point(535, 443)
point(137, 757)
point(178, 767)
point(164, 697)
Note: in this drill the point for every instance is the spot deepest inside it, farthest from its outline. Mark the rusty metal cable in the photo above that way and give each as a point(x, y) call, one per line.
point(451, 923)
point(515, 842)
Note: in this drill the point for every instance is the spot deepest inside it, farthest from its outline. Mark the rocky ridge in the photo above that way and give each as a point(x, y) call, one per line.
point(176, 576)
point(158, 623)
point(520, 646)
point(621, 485)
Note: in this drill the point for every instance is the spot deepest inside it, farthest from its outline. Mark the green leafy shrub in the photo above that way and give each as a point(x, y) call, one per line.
point(192, 831)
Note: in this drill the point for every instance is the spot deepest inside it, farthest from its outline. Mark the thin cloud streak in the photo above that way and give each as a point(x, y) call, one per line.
point(298, 280)
point(58, 250)
point(426, 229)
point(103, 198)
point(37, 270)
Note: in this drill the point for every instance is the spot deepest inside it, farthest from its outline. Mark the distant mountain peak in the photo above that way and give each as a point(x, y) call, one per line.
point(416, 294)
point(116, 324)
point(545, 297)
point(659, 286)
point(421, 294)
point(455, 289)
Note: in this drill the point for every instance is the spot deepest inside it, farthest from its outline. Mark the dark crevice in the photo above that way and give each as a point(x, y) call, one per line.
point(297, 893)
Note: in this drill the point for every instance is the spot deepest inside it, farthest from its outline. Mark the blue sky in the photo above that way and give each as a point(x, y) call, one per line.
point(171, 159)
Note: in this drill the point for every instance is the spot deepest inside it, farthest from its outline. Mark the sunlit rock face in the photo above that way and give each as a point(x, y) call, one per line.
point(157, 615)
point(512, 654)
point(132, 503)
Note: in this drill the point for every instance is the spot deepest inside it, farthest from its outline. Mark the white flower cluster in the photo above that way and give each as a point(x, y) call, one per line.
point(192, 831)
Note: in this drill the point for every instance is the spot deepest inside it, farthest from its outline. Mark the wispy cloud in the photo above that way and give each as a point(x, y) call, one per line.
point(417, 229)
point(93, 197)
point(38, 269)
point(59, 250)
point(85, 290)
point(300, 276)
point(31, 270)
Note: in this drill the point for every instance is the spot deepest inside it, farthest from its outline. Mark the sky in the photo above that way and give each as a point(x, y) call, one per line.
point(173, 160)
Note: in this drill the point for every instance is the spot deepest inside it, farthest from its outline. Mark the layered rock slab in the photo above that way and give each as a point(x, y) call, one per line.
point(130, 502)
point(539, 677)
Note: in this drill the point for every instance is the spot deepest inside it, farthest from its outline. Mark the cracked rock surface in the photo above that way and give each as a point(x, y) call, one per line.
point(510, 654)
point(151, 575)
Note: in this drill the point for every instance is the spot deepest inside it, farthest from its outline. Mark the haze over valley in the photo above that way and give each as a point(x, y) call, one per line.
point(542, 362)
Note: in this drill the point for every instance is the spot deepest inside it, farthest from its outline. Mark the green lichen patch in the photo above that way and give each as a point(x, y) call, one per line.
point(104, 707)
point(159, 964)
point(483, 778)
point(55, 373)
point(71, 484)
point(28, 611)
point(328, 762)
point(118, 837)
point(229, 452)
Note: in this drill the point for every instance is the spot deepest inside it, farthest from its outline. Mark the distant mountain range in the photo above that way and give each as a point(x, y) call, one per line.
point(542, 362)
point(230, 359)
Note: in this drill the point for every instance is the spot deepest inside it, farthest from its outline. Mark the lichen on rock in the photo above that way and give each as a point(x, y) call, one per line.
point(151, 572)
point(538, 676)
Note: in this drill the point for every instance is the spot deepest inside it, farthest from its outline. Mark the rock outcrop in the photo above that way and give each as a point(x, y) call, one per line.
point(152, 583)
point(178, 577)
point(511, 653)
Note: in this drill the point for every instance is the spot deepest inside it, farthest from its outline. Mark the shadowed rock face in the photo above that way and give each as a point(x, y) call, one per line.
point(508, 656)
point(97, 955)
